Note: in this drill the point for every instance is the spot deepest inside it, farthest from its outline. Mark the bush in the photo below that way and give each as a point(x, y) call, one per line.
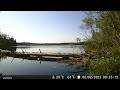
point(103, 46)
point(107, 66)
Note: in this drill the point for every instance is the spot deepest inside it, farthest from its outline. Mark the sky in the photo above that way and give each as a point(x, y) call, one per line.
point(42, 26)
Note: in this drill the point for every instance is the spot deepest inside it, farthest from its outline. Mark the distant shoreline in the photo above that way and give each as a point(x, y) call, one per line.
point(24, 43)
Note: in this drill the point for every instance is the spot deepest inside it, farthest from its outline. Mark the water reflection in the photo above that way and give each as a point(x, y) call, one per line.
point(23, 66)
point(12, 60)
point(40, 61)
point(76, 68)
point(2, 57)
point(17, 66)
point(52, 49)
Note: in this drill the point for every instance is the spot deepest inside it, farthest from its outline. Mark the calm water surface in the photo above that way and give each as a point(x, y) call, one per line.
point(17, 66)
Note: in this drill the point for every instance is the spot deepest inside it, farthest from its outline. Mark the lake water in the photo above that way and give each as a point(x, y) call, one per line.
point(75, 49)
point(17, 66)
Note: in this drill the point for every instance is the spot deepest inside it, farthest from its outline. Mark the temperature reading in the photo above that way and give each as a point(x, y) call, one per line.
point(58, 77)
point(71, 77)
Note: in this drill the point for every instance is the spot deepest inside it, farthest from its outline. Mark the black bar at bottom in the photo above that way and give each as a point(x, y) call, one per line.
point(57, 77)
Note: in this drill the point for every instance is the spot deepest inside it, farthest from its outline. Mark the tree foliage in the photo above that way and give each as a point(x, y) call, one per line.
point(105, 39)
point(5, 40)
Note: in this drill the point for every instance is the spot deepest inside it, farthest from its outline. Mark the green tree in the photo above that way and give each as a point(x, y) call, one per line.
point(105, 40)
point(5, 40)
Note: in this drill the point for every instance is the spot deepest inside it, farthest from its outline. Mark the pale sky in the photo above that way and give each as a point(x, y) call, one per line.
point(42, 26)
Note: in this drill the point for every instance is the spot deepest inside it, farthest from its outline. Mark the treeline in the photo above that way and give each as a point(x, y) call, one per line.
point(103, 46)
point(25, 43)
point(6, 41)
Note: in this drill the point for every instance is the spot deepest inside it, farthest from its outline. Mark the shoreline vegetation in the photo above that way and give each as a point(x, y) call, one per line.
point(6, 40)
point(71, 43)
point(103, 46)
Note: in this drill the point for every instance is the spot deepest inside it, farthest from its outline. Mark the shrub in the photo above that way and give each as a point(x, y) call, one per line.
point(107, 66)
